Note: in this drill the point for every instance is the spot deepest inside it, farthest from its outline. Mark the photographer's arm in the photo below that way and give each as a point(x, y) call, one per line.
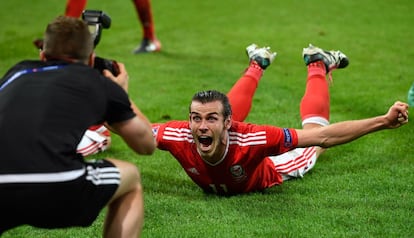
point(122, 80)
point(136, 132)
point(343, 132)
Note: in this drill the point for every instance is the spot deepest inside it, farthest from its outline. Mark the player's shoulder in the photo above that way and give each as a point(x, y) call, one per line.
point(172, 135)
point(172, 126)
point(238, 126)
point(176, 125)
point(247, 129)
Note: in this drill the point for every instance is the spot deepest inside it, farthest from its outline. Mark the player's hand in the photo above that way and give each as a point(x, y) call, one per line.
point(397, 115)
point(121, 79)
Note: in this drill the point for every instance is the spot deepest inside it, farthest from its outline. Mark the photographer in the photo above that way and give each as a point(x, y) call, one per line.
point(45, 108)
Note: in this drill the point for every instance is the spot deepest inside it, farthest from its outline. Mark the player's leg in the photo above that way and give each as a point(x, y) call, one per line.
point(314, 109)
point(125, 216)
point(149, 42)
point(74, 8)
point(295, 163)
point(242, 92)
point(315, 103)
point(143, 9)
point(96, 139)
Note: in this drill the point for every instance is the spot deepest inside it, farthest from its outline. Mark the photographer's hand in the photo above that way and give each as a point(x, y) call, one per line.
point(121, 79)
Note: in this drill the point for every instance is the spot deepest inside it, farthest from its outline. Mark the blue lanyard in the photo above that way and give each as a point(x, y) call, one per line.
point(27, 71)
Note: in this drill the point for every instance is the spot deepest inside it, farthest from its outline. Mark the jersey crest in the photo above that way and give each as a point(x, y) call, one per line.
point(237, 172)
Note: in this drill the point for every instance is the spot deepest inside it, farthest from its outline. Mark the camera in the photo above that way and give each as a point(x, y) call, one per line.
point(98, 20)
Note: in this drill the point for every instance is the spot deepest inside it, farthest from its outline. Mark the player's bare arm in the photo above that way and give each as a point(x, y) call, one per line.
point(343, 132)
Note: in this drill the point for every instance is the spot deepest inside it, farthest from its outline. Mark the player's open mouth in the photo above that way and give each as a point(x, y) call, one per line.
point(205, 141)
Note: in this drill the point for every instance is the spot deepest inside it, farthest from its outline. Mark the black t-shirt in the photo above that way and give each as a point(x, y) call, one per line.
point(45, 108)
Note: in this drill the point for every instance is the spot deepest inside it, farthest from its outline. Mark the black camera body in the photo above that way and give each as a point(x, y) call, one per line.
point(98, 20)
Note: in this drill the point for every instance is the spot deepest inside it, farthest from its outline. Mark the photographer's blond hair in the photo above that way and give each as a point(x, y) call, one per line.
point(68, 38)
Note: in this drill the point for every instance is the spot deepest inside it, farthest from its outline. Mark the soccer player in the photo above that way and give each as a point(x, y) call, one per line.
point(226, 156)
point(149, 43)
point(46, 105)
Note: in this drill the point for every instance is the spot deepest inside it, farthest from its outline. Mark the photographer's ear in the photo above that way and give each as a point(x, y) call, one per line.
point(91, 61)
point(42, 55)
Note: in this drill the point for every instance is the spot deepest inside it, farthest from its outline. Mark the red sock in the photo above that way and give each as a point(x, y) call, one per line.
point(143, 8)
point(74, 8)
point(242, 92)
point(315, 102)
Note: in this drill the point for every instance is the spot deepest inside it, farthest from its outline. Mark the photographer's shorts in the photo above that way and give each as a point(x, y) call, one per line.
point(60, 204)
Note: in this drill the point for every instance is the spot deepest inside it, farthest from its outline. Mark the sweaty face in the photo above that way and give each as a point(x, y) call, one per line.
point(209, 129)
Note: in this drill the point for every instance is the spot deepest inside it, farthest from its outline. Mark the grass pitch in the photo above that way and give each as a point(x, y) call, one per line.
point(361, 189)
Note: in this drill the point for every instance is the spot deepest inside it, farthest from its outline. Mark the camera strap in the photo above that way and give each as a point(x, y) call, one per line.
point(28, 71)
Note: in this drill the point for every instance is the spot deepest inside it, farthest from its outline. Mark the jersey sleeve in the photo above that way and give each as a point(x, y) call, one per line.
point(263, 140)
point(168, 134)
point(282, 140)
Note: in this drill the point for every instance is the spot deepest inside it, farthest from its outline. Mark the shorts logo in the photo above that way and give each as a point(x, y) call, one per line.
point(288, 138)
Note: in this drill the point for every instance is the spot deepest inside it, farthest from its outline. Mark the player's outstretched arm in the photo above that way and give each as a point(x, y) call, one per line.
point(343, 132)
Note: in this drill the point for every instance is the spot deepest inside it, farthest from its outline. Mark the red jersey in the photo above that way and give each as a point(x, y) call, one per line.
point(244, 168)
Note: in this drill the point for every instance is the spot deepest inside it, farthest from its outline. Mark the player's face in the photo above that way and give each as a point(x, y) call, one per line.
point(209, 129)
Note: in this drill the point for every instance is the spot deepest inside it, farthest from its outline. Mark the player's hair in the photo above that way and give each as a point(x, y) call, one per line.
point(211, 96)
point(68, 38)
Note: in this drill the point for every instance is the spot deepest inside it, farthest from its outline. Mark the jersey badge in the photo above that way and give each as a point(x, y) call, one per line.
point(237, 172)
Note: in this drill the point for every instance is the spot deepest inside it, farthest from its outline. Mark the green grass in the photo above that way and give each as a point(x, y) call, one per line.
point(361, 189)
